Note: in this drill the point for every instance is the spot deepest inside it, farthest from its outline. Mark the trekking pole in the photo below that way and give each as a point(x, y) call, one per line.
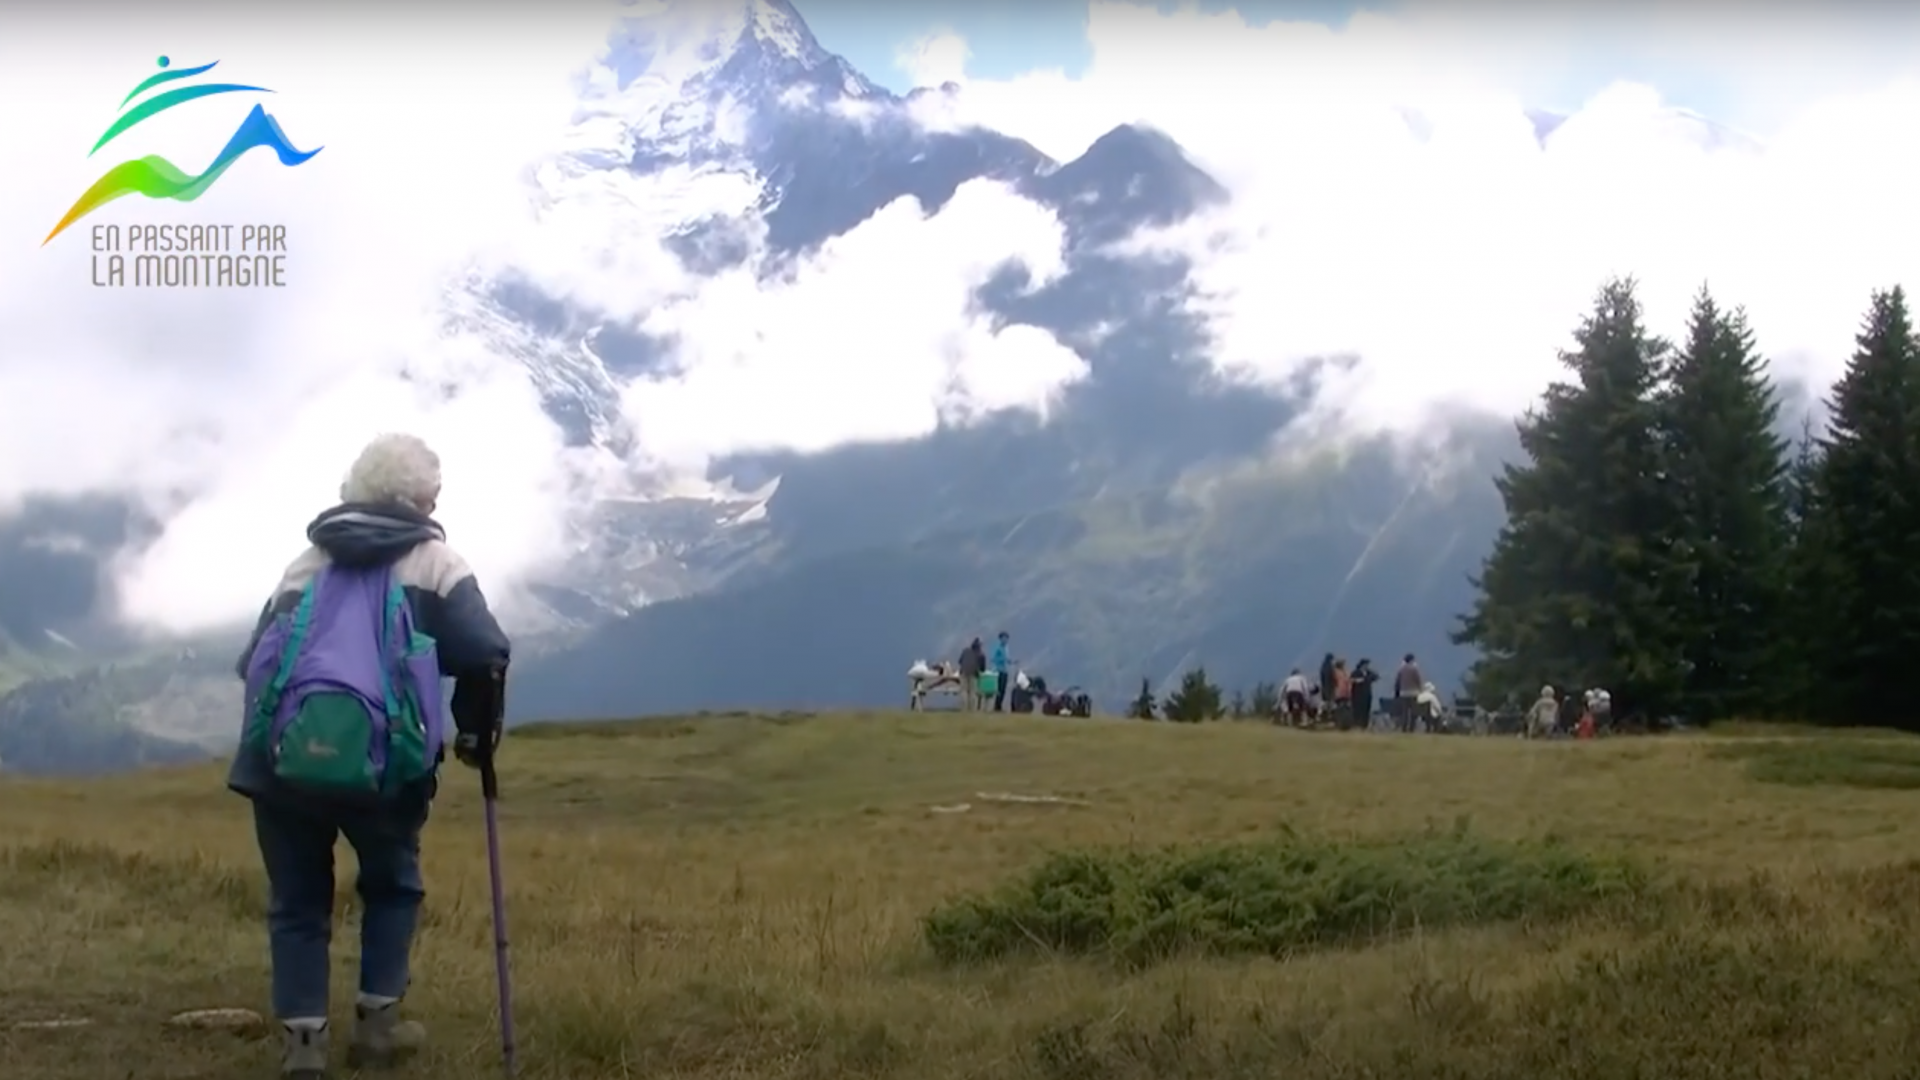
point(490, 795)
point(490, 798)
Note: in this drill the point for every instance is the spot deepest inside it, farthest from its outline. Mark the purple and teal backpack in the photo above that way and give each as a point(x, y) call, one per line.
point(343, 693)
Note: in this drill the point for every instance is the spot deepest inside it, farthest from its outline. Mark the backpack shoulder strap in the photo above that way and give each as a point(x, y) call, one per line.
point(297, 637)
point(269, 701)
point(390, 657)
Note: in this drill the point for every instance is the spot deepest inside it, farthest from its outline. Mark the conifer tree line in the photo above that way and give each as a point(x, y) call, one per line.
point(1669, 538)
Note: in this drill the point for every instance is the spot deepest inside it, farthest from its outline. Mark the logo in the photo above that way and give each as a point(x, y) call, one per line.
point(180, 254)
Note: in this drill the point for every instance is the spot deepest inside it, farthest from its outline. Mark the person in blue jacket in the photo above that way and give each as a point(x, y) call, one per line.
point(1000, 669)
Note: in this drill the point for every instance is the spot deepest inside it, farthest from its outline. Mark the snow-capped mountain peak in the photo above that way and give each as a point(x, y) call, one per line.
point(775, 23)
point(685, 82)
point(663, 36)
point(721, 133)
point(754, 45)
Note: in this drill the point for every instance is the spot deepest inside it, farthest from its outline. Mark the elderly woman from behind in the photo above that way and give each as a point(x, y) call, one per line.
point(383, 523)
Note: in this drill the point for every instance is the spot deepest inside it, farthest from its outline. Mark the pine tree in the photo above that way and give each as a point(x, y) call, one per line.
point(1144, 706)
point(1726, 469)
point(1581, 579)
point(1807, 626)
point(1264, 702)
point(1197, 699)
point(1869, 511)
point(1237, 706)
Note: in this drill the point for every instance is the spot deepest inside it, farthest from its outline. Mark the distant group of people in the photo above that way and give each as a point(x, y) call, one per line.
point(983, 676)
point(1345, 696)
point(1582, 715)
point(1346, 699)
point(975, 664)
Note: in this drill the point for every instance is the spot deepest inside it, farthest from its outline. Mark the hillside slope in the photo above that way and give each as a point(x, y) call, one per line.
point(789, 898)
point(1248, 573)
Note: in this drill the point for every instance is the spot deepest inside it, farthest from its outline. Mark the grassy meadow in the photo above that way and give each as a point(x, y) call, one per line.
point(812, 898)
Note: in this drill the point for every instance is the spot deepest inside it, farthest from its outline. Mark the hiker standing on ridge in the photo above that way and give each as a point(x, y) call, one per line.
point(1363, 679)
point(378, 564)
point(1406, 687)
point(1293, 698)
point(1000, 668)
point(973, 664)
point(1544, 717)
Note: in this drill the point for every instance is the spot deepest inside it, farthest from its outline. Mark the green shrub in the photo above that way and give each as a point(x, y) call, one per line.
point(1197, 699)
point(1271, 898)
point(1861, 763)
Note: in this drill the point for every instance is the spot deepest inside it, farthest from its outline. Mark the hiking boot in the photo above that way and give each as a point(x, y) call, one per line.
point(381, 1039)
point(305, 1056)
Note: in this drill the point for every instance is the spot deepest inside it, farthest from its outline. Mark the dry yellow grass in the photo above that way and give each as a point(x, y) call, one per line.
point(742, 897)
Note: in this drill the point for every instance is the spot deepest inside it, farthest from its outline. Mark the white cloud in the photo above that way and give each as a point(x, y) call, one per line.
point(236, 411)
point(201, 571)
point(875, 338)
point(1391, 200)
point(935, 59)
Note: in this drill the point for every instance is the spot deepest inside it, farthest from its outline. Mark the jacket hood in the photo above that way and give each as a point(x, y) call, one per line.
point(362, 534)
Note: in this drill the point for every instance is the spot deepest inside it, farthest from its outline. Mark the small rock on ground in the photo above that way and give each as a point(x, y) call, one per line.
point(236, 1020)
point(59, 1024)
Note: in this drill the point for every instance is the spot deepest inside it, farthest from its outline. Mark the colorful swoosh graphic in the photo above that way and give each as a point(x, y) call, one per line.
point(160, 103)
point(152, 81)
point(155, 176)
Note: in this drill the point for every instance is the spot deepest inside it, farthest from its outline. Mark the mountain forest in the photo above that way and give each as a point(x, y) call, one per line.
point(1665, 541)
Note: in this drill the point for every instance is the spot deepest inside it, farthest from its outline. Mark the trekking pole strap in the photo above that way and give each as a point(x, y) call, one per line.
point(489, 777)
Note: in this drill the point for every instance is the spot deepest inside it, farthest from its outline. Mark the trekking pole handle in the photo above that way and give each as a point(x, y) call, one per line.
point(496, 713)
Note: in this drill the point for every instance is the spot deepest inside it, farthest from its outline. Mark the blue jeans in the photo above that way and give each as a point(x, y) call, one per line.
point(296, 843)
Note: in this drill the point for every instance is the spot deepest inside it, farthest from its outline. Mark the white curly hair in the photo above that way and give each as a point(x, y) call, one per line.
point(395, 469)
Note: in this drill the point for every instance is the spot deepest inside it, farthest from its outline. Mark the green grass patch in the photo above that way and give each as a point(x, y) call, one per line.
point(65, 874)
point(1273, 898)
point(1882, 764)
point(1773, 729)
point(1777, 1006)
point(651, 727)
